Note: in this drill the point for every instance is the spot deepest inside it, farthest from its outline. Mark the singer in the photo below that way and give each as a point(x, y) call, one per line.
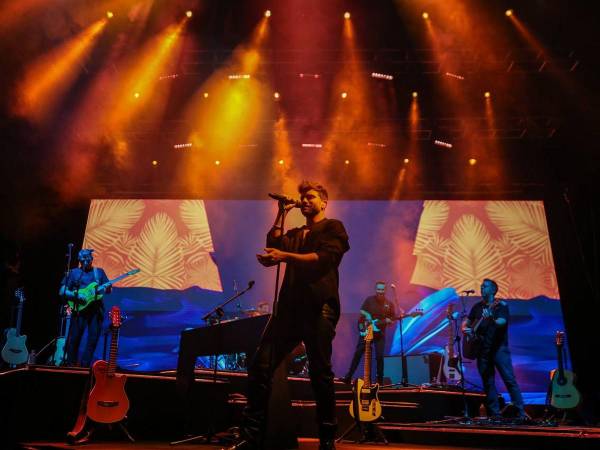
point(307, 311)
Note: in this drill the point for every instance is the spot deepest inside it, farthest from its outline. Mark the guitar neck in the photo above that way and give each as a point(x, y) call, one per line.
point(113, 281)
point(112, 357)
point(367, 377)
point(561, 366)
point(19, 317)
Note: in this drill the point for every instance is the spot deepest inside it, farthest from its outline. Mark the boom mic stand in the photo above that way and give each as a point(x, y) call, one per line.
point(213, 317)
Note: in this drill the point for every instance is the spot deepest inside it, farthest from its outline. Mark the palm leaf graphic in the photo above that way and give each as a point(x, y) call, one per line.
point(194, 216)
point(158, 255)
point(428, 271)
point(108, 219)
point(525, 225)
point(203, 272)
point(472, 256)
point(433, 218)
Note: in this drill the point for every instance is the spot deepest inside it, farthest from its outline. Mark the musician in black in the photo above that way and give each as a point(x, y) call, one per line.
point(494, 352)
point(91, 317)
point(307, 311)
point(379, 311)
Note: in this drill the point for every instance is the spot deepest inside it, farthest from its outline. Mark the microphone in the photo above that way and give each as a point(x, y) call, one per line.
point(70, 245)
point(286, 200)
point(469, 291)
point(393, 286)
point(250, 284)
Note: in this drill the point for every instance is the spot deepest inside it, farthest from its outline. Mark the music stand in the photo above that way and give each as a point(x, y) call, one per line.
point(213, 317)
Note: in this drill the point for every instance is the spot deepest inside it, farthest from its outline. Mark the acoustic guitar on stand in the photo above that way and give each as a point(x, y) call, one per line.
point(108, 402)
point(564, 393)
point(15, 351)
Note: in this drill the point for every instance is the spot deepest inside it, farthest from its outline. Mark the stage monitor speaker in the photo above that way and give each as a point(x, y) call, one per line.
point(418, 367)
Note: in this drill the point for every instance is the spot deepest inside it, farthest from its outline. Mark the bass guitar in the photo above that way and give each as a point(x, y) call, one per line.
point(15, 351)
point(108, 402)
point(93, 292)
point(365, 405)
point(363, 322)
point(450, 364)
point(471, 343)
point(564, 393)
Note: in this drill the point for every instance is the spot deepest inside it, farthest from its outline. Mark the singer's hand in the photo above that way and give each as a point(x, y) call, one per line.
point(286, 207)
point(271, 257)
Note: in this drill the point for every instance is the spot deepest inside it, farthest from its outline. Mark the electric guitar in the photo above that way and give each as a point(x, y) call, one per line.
point(564, 394)
point(60, 356)
point(450, 367)
point(365, 406)
point(15, 351)
point(471, 343)
point(93, 292)
point(108, 402)
point(363, 322)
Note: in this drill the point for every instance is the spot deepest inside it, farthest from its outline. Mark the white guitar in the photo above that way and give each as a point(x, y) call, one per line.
point(450, 366)
point(15, 351)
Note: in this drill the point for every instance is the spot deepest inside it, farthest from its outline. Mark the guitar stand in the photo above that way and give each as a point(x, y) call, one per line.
point(91, 429)
point(366, 431)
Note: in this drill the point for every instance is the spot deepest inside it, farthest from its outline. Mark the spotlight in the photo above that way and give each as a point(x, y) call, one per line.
point(217, 163)
point(454, 75)
point(136, 95)
point(508, 12)
point(268, 13)
point(347, 162)
point(382, 76)
point(346, 15)
point(415, 94)
point(110, 14)
point(425, 15)
point(312, 145)
point(188, 13)
point(406, 160)
point(154, 162)
point(280, 162)
point(205, 95)
point(239, 76)
point(442, 143)
point(276, 95)
point(472, 161)
point(375, 144)
point(186, 145)
point(344, 94)
point(487, 94)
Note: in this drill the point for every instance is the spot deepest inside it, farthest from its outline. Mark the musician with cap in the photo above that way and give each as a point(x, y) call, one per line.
point(87, 313)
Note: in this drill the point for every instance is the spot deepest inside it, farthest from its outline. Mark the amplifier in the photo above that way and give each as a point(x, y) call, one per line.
point(421, 369)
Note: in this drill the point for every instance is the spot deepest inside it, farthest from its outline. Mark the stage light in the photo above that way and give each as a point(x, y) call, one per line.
point(442, 144)
point(217, 163)
point(472, 161)
point(189, 13)
point(344, 94)
point(276, 95)
point(186, 145)
point(347, 162)
point(508, 12)
point(136, 95)
point(425, 15)
point(239, 76)
point(375, 144)
point(154, 162)
point(346, 15)
point(268, 13)
point(453, 75)
point(205, 95)
point(110, 14)
point(280, 162)
point(487, 94)
point(415, 94)
point(312, 145)
point(309, 75)
point(168, 77)
point(382, 76)
point(406, 160)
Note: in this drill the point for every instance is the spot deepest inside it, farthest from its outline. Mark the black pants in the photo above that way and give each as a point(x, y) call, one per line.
point(379, 342)
point(91, 319)
point(281, 336)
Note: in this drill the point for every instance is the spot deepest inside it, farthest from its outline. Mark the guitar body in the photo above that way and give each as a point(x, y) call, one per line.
point(369, 407)
point(564, 393)
point(15, 351)
point(108, 402)
point(363, 324)
point(87, 296)
point(471, 346)
point(451, 372)
point(59, 357)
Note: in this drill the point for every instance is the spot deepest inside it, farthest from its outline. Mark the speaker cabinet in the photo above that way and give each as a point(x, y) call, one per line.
point(420, 368)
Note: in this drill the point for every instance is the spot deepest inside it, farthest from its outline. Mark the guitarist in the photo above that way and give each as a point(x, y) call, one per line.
point(92, 316)
point(380, 311)
point(494, 352)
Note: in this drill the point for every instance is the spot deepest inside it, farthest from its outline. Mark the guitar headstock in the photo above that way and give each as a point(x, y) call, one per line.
point(369, 333)
point(20, 294)
point(560, 338)
point(416, 313)
point(115, 317)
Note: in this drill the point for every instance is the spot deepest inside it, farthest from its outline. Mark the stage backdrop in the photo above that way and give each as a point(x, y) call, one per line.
point(193, 254)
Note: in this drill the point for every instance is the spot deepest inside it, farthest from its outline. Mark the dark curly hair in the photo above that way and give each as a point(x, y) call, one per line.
point(306, 186)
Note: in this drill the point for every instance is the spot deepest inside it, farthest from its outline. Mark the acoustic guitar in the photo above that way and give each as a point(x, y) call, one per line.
point(108, 402)
point(471, 343)
point(365, 405)
point(15, 351)
point(59, 357)
point(564, 393)
point(93, 292)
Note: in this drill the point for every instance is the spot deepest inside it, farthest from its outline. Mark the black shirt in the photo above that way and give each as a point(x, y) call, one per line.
point(306, 288)
point(493, 336)
point(379, 309)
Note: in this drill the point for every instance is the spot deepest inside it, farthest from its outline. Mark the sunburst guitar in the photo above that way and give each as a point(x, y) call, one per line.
point(108, 402)
point(365, 405)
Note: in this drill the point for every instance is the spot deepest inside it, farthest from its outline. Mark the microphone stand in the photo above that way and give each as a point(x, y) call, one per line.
point(466, 418)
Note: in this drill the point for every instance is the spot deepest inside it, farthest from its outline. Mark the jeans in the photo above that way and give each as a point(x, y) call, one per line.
point(360, 350)
point(280, 337)
point(92, 320)
point(486, 364)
